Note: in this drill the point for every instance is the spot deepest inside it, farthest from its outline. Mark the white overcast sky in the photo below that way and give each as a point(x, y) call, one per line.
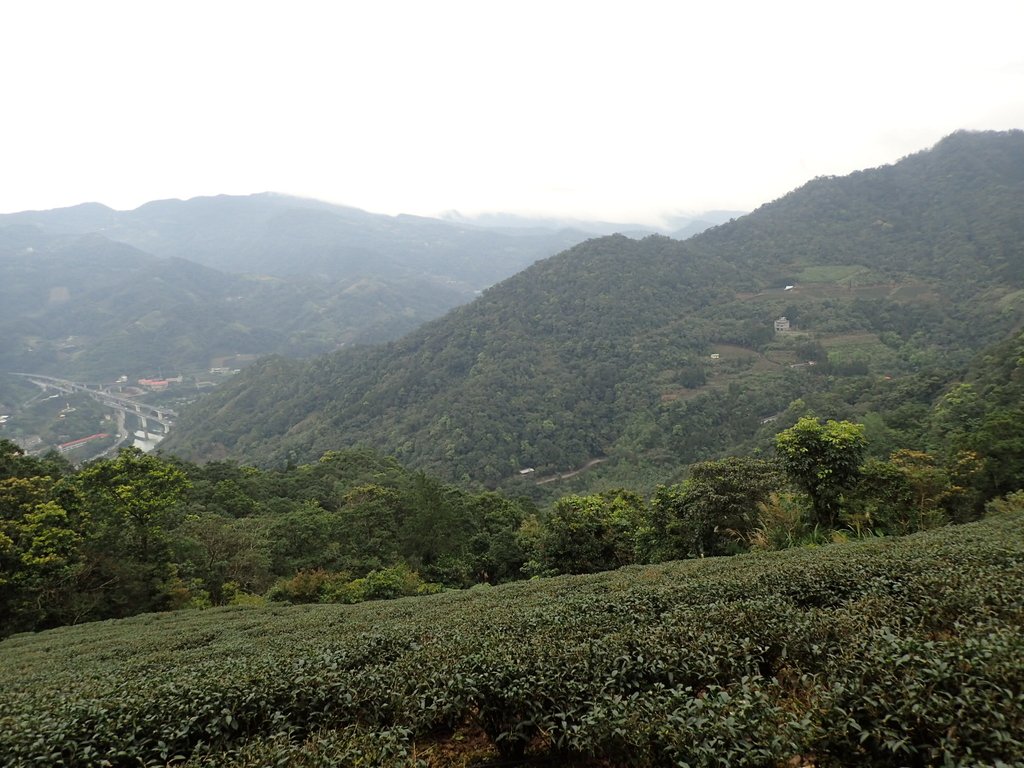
point(622, 111)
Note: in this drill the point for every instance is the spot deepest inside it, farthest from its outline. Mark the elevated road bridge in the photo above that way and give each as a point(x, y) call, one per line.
point(163, 416)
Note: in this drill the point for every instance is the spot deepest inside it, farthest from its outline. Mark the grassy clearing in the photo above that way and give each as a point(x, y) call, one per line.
point(864, 347)
point(830, 273)
point(1011, 301)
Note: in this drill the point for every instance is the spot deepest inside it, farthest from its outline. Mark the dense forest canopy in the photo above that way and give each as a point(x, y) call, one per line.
point(141, 532)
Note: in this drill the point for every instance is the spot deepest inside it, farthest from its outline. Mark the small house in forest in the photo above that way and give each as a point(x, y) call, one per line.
point(781, 325)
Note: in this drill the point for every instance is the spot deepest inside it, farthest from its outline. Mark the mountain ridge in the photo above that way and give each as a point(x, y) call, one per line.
point(607, 348)
point(263, 233)
point(337, 275)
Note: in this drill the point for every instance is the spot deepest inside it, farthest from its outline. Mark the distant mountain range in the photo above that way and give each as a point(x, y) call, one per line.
point(655, 353)
point(93, 292)
point(280, 235)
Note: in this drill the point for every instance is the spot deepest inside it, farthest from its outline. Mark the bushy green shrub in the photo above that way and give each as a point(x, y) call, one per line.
point(321, 586)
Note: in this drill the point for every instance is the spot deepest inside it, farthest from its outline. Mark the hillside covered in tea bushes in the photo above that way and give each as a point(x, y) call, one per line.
point(883, 652)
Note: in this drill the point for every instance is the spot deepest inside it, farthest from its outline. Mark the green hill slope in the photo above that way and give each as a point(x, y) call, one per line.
point(883, 652)
point(656, 353)
point(173, 284)
point(87, 306)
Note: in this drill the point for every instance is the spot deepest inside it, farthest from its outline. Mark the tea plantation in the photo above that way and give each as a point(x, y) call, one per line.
point(901, 652)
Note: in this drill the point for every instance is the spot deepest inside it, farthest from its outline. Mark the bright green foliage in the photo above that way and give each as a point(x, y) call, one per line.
point(134, 502)
point(136, 496)
point(585, 534)
point(894, 652)
point(320, 586)
point(389, 583)
point(824, 460)
point(714, 512)
point(39, 554)
point(48, 538)
point(39, 543)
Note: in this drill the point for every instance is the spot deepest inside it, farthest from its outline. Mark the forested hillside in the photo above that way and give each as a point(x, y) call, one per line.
point(658, 353)
point(85, 306)
point(857, 646)
point(134, 533)
point(94, 293)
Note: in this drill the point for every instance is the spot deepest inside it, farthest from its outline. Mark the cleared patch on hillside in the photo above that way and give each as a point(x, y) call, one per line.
point(831, 273)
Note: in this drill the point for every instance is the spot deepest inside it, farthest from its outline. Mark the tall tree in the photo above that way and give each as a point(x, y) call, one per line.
point(711, 511)
point(823, 460)
point(134, 500)
point(586, 534)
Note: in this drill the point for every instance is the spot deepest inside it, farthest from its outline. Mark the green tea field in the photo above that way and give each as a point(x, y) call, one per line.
point(892, 652)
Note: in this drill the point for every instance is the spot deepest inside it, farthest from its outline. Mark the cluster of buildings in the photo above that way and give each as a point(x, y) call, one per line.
point(70, 446)
point(159, 385)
